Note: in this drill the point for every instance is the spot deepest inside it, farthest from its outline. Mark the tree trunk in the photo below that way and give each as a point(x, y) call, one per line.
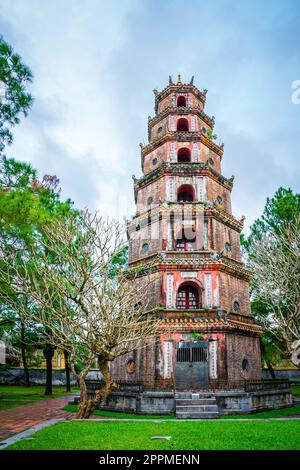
point(67, 367)
point(24, 359)
point(87, 405)
point(48, 353)
point(25, 367)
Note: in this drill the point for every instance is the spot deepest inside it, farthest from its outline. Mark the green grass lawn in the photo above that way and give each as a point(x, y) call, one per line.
point(281, 413)
point(296, 390)
point(14, 395)
point(194, 435)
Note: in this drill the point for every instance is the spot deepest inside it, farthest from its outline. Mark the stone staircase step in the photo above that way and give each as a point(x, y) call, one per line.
point(188, 396)
point(192, 408)
point(191, 405)
point(197, 415)
point(199, 401)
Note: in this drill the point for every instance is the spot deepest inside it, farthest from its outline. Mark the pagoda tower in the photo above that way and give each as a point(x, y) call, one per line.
point(185, 236)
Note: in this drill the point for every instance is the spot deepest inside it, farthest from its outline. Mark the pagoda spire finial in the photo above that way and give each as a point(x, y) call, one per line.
point(170, 80)
point(179, 79)
point(192, 80)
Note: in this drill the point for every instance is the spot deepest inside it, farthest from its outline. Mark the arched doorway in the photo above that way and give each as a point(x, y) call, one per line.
point(186, 193)
point(188, 296)
point(182, 125)
point(181, 101)
point(184, 155)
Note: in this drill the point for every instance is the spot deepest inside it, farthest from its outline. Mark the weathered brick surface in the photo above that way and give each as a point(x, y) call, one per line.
point(238, 348)
point(145, 371)
point(215, 190)
point(165, 103)
point(161, 154)
point(234, 289)
point(159, 129)
point(225, 239)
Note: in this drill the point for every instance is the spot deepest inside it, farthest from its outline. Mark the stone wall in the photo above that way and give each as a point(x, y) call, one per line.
point(15, 376)
point(154, 403)
point(243, 402)
point(293, 375)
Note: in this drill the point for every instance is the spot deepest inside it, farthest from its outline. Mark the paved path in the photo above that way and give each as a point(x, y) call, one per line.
point(15, 420)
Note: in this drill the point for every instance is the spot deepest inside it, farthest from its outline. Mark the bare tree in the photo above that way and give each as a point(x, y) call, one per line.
point(275, 261)
point(81, 305)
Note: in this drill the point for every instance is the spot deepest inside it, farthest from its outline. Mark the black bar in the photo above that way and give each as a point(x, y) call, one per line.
point(140, 458)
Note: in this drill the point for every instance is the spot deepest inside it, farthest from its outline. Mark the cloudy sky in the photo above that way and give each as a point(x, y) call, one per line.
point(95, 64)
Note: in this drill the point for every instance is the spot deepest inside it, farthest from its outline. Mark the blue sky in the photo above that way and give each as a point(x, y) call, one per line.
point(95, 64)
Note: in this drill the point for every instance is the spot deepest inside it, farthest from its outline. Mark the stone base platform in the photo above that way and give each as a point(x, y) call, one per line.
point(257, 397)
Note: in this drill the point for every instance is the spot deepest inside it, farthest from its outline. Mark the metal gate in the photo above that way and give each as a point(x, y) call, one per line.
point(191, 366)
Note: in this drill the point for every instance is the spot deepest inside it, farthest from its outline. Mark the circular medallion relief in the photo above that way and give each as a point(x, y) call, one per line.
point(131, 366)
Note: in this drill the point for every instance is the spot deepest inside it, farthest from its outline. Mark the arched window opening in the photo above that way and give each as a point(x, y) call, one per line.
point(188, 297)
point(245, 365)
point(182, 125)
point(181, 101)
point(145, 248)
point(185, 244)
point(186, 193)
point(184, 155)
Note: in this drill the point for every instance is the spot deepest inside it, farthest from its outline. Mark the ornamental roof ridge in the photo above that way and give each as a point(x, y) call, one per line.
point(203, 325)
point(245, 326)
point(156, 262)
point(210, 120)
point(169, 165)
point(182, 87)
point(183, 136)
point(193, 320)
point(222, 216)
point(230, 263)
point(183, 168)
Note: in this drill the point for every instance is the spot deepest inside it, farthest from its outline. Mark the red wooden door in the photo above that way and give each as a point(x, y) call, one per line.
point(187, 298)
